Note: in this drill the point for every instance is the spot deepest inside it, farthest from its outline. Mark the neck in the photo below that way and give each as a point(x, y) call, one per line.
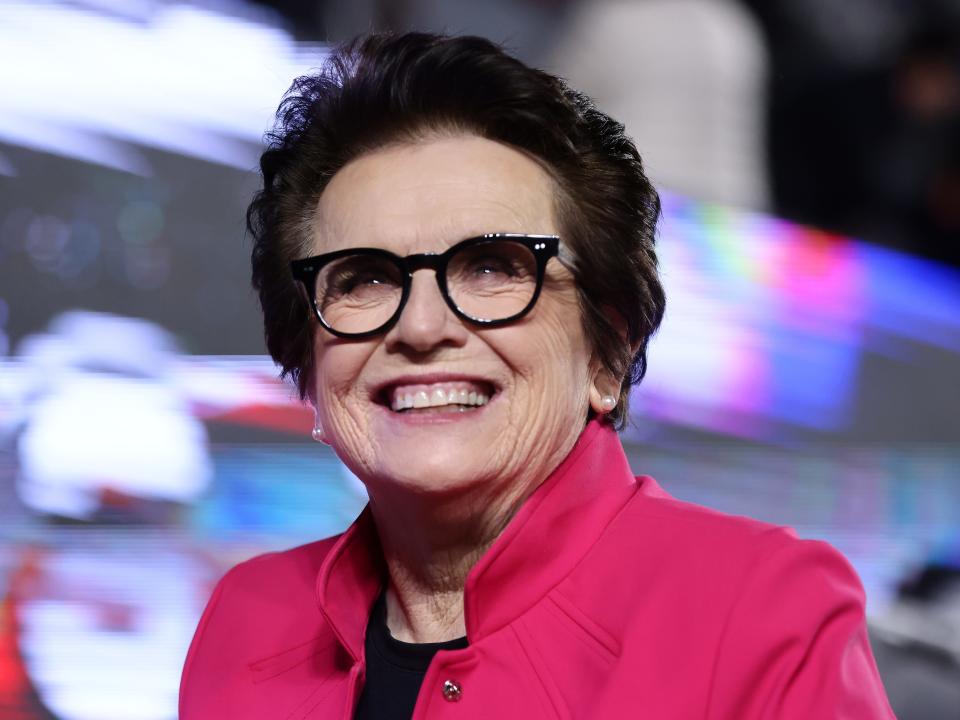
point(432, 540)
point(429, 546)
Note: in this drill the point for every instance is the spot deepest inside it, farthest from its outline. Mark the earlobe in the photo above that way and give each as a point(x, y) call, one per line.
point(603, 404)
point(606, 388)
point(317, 433)
point(601, 401)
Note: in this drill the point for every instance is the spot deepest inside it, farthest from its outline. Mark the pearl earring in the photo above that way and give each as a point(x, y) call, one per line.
point(608, 403)
point(317, 432)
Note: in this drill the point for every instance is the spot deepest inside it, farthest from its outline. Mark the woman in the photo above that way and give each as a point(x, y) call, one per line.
point(454, 256)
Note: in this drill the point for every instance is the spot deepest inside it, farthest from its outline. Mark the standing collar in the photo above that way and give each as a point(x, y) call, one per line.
point(542, 543)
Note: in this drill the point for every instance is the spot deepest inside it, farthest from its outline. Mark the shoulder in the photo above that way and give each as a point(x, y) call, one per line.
point(655, 522)
point(729, 547)
point(725, 547)
point(285, 579)
point(258, 606)
point(762, 618)
point(692, 567)
point(276, 574)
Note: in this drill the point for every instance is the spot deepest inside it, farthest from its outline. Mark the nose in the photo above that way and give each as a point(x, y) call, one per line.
point(426, 321)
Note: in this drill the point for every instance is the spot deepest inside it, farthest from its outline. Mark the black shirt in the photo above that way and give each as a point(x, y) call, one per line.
point(395, 669)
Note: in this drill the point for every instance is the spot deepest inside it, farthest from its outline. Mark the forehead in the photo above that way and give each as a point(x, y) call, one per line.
point(426, 196)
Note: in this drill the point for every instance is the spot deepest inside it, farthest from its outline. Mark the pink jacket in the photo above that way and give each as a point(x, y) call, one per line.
point(603, 598)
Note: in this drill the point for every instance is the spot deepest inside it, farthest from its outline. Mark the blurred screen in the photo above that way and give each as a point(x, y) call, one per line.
point(146, 443)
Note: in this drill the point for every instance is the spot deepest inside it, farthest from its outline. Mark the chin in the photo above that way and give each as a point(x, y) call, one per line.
point(438, 470)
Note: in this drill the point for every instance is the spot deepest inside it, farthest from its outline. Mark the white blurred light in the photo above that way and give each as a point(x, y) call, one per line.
point(183, 79)
point(105, 631)
point(126, 435)
point(100, 392)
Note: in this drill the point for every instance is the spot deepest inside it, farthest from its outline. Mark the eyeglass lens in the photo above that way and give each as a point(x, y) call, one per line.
point(486, 281)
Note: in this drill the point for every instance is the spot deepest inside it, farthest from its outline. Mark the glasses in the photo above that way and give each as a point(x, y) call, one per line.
point(489, 280)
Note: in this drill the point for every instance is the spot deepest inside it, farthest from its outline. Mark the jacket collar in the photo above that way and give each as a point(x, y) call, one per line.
point(550, 533)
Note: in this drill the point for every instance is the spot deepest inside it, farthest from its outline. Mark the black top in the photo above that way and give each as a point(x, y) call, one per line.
point(395, 669)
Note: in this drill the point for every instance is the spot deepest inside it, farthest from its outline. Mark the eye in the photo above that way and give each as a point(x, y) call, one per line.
point(349, 281)
point(493, 264)
point(497, 264)
point(358, 275)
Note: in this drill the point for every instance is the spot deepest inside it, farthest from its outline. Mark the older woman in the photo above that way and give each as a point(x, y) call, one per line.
point(454, 256)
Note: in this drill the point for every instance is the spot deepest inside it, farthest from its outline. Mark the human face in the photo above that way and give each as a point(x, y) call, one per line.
point(537, 372)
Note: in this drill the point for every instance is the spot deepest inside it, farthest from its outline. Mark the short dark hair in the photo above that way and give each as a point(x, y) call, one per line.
point(381, 89)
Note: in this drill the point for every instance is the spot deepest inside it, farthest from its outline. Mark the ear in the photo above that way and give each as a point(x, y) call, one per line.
point(604, 387)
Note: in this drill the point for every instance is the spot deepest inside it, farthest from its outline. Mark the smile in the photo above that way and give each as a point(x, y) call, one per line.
point(458, 396)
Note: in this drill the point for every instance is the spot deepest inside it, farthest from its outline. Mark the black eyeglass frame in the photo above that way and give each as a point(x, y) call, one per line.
point(306, 271)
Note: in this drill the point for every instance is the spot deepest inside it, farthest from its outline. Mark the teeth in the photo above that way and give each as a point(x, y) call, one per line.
point(437, 397)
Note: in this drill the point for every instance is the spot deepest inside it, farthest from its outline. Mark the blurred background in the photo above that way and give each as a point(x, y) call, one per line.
point(807, 373)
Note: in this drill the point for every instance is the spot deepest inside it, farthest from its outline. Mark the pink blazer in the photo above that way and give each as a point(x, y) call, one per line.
point(603, 598)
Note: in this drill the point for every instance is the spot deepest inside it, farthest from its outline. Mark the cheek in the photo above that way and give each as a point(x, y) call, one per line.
point(564, 345)
point(552, 358)
point(550, 361)
point(569, 373)
point(336, 371)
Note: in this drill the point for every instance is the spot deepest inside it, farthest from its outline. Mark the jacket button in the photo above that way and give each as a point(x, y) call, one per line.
point(452, 690)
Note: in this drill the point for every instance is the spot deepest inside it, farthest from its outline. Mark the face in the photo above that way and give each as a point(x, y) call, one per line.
point(538, 372)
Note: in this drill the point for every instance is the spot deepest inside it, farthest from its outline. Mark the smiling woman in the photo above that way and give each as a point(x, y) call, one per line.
point(455, 260)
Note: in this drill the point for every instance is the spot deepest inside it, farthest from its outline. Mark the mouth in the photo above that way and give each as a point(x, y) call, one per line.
point(445, 396)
